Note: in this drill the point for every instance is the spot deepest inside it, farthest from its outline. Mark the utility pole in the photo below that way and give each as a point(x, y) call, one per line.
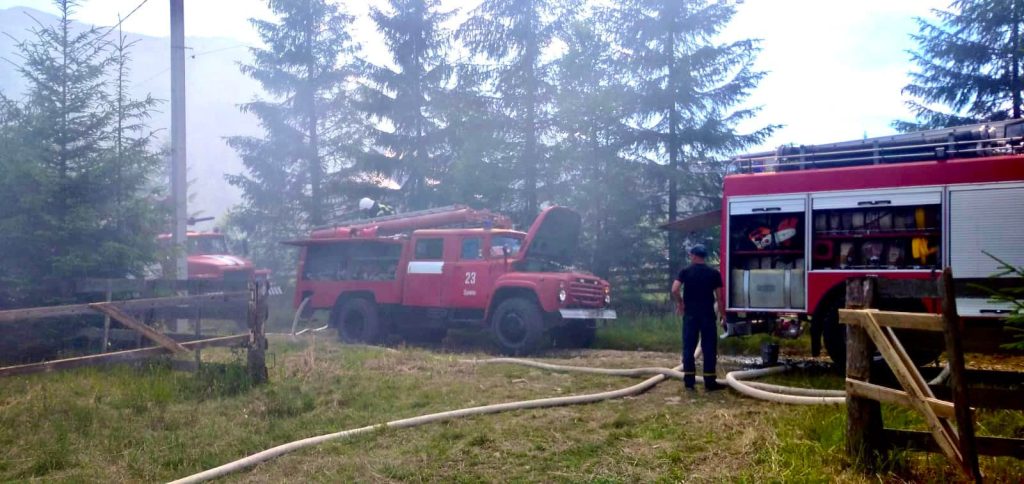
point(179, 190)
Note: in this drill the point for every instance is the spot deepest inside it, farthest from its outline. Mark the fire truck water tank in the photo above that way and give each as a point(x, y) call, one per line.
point(768, 288)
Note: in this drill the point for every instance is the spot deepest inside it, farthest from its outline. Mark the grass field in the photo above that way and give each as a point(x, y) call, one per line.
point(154, 424)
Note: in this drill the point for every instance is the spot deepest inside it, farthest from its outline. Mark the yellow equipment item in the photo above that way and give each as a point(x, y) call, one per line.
point(921, 251)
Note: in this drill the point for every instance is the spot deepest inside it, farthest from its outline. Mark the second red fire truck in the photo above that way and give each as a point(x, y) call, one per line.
point(451, 267)
point(799, 221)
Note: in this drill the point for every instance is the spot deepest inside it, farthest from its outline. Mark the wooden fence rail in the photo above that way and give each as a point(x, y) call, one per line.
point(950, 419)
point(250, 303)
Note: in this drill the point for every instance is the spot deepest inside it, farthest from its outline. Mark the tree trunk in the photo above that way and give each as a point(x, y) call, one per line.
point(674, 239)
point(1015, 59)
point(316, 205)
point(529, 159)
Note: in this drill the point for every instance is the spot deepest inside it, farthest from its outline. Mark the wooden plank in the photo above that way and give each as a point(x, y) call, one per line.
point(127, 320)
point(893, 319)
point(898, 397)
point(908, 364)
point(92, 285)
point(943, 433)
point(955, 352)
point(17, 315)
point(923, 441)
point(863, 415)
point(118, 356)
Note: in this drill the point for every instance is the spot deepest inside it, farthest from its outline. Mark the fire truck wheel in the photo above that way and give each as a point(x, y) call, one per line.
point(833, 334)
point(577, 333)
point(922, 347)
point(357, 321)
point(517, 326)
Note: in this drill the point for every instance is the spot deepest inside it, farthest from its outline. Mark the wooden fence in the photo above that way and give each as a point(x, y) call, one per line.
point(207, 299)
point(946, 408)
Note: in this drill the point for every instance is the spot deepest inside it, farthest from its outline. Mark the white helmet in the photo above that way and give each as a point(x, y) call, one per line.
point(365, 203)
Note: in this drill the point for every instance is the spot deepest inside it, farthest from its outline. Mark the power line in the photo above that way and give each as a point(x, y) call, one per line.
point(236, 46)
point(121, 20)
point(118, 24)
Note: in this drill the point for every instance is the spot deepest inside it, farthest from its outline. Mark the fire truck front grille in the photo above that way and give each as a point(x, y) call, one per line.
point(586, 293)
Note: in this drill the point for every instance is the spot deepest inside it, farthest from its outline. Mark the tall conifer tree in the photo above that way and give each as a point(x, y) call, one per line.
point(513, 39)
point(689, 88)
point(310, 128)
point(412, 147)
point(71, 208)
point(969, 65)
point(601, 184)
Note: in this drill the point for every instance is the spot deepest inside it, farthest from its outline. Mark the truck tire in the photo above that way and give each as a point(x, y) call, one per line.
point(576, 333)
point(357, 321)
point(922, 347)
point(517, 326)
point(833, 334)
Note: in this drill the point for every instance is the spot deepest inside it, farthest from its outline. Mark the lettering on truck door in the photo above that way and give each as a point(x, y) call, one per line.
point(470, 285)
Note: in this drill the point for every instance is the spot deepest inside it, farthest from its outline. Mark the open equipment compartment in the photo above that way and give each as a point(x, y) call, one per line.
point(767, 252)
point(898, 229)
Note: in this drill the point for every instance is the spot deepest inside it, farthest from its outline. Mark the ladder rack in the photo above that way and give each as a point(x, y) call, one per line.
point(452, 216)
point(972, 141)
point(399, 216)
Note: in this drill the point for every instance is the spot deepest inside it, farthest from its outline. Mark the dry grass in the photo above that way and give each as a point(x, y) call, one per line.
point(153, 424)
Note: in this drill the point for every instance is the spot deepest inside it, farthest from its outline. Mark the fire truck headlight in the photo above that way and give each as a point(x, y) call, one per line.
point(562, 295)
point(607, 298)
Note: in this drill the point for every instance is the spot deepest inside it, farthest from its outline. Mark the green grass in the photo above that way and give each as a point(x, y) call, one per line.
point(809, 438)
point(154, 424)
point(646, 333)
point(663, 333)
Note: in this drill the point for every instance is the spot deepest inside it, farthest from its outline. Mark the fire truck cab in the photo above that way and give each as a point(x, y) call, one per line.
point(452, 267)
point(799, 221)
point(209, 258)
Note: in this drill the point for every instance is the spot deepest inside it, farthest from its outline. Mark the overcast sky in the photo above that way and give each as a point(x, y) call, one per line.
point(835, 68)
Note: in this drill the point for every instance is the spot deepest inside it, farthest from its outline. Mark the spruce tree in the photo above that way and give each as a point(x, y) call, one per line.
point(404, 102)
point(513, 41)
point(968, 65)
point(134, 166)
point(310, 127)
point(77, 219)
point(689, 91)
point(601, 184)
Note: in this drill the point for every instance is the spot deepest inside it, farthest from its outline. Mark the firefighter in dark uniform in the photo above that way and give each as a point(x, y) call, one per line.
point(700, 286)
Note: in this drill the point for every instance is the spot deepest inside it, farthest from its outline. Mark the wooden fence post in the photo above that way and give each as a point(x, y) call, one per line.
point(106, 319)
point(257, 362)
point(955, 355)
point(864, 442)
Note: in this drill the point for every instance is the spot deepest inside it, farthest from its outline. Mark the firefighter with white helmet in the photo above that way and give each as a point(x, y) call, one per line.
point(372, 208)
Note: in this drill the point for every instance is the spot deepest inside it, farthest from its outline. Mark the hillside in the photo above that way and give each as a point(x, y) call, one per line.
point(214, 89)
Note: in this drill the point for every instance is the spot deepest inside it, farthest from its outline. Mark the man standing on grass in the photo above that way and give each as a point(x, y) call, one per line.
point(700, 286)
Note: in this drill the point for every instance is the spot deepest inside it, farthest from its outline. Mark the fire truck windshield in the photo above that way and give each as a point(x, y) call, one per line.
point(500, 242)
point(207, 246)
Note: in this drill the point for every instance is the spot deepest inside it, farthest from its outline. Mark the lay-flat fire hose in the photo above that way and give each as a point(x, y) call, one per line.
point(774, 393)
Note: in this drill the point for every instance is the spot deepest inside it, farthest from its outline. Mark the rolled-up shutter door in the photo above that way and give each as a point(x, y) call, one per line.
point(878, 199)
point(990, 220)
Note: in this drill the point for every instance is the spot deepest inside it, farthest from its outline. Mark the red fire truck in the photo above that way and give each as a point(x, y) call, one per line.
point(208, 258)
point(799, 221)
point(453, 266)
